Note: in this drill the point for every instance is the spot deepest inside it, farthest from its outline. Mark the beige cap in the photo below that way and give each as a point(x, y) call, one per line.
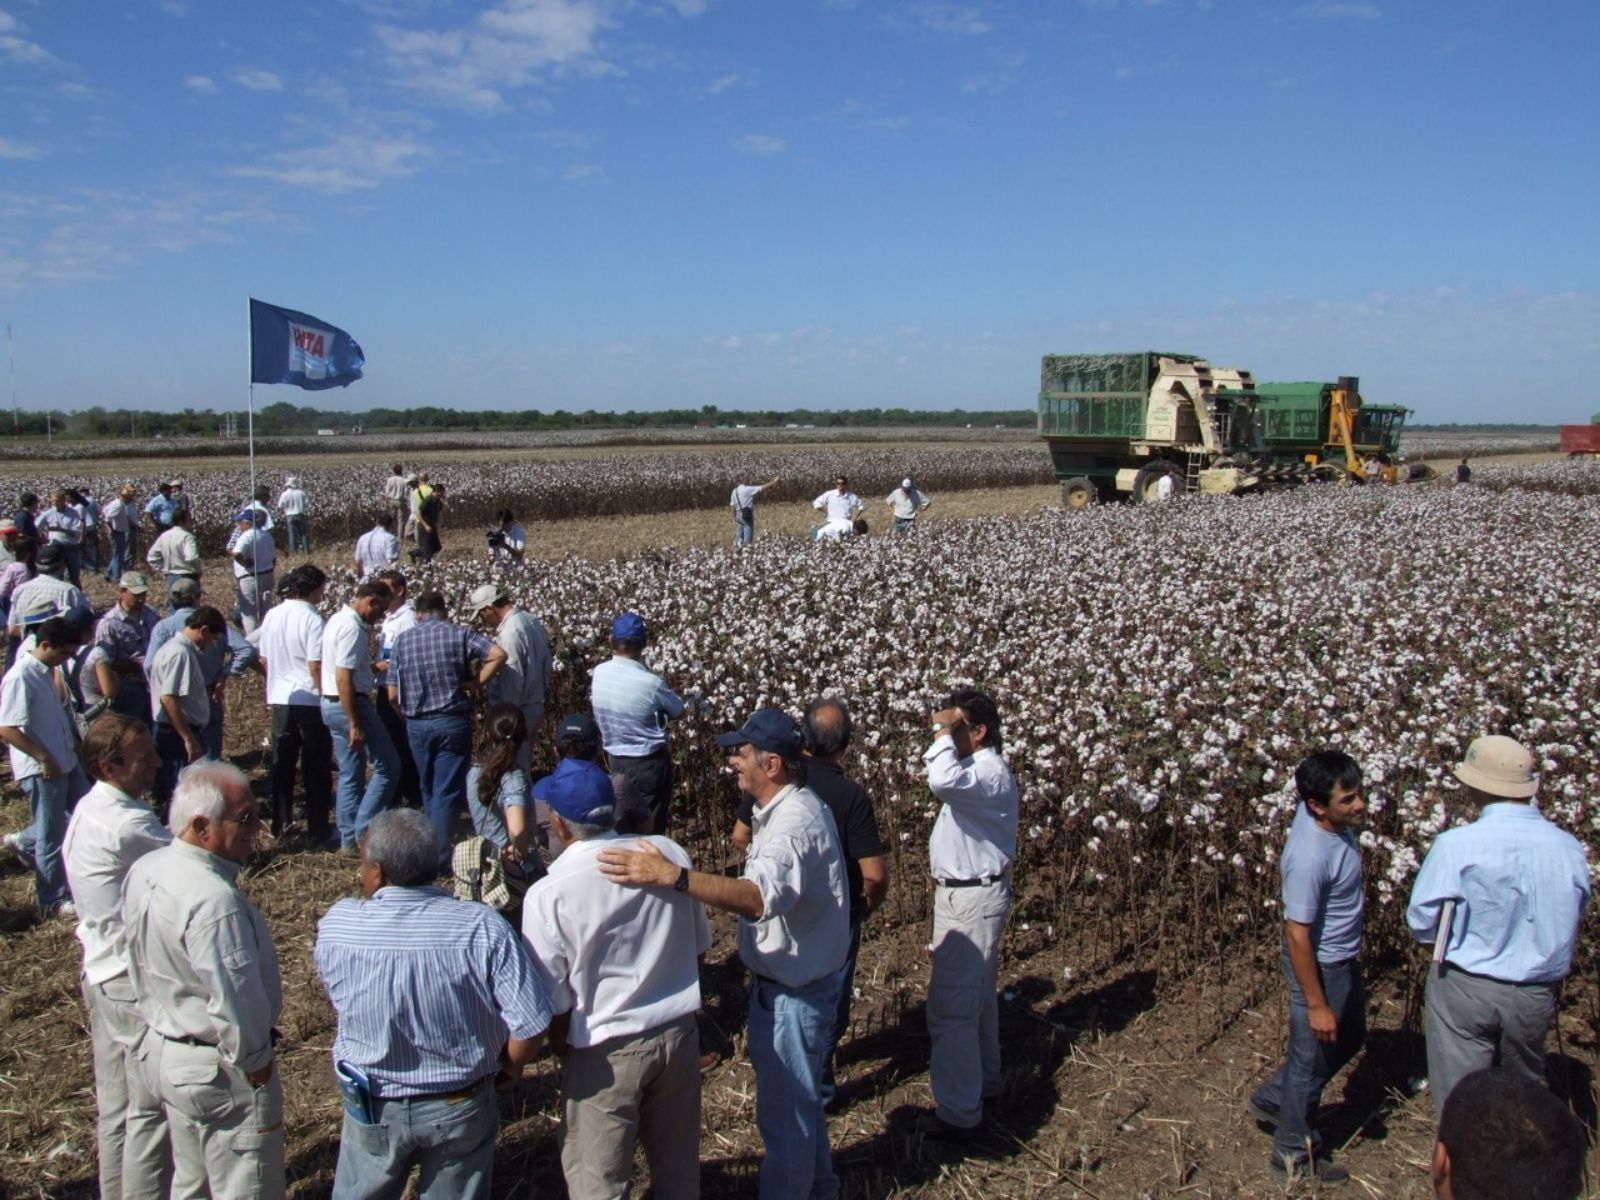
point(1500, 766)
point(134, 581)
point(487, 595)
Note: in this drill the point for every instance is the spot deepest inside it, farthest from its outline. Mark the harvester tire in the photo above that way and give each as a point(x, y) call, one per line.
point(1331, 472)
point(1145, 483)
point(1078, 492)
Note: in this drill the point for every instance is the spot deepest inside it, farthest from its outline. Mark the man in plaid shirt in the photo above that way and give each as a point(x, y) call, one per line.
point(434, 669)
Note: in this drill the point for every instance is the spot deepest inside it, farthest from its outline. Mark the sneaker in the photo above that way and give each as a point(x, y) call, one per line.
point(1264, 1115)
point(12, 843)
point(66, 909)
point(1323, 1170)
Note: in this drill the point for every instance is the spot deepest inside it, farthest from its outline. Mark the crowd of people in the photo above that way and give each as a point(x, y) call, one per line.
point(505, 910)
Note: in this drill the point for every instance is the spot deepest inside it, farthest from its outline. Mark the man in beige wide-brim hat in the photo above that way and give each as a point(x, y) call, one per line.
point(1500, 900)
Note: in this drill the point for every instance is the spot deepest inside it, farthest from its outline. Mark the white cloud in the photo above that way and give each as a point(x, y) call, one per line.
point(1340, 10)
point(688, 8)
point(346, 163)
point(508, 46)
point(256, 80)
point(201, 84)
point(74, 91)
point(757, 143)
point(11, 148)
point(17, 48)
point(723, 82)
point(964, 20)
point(1001, 75)
point(585, 173)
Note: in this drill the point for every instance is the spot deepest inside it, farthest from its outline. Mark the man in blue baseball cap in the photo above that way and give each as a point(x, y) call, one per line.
point(794, 933)
point(622, 968)
point(632, 706)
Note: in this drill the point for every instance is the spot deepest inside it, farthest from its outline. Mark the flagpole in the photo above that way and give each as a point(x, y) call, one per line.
point(250, 403)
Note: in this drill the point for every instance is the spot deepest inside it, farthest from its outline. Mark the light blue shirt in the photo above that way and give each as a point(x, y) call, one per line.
point(1322, 886)
point(631, 707)
point(1520, 885)
point(426, 988)
point(489, 820)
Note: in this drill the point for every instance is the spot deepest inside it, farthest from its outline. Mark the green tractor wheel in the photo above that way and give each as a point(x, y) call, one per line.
point(1077, 492)
point(1147, 483)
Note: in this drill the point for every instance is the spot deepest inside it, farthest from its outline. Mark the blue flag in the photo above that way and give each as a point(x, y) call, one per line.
point(292, 347)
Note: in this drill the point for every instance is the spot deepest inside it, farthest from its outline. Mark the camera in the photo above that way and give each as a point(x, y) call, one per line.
point(496, 539)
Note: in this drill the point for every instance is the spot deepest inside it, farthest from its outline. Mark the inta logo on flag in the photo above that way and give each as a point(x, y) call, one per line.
point(295, 348)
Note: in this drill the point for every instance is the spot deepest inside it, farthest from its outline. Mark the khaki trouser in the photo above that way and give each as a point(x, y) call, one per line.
point(963, 1009)
point(626, 1090)
point(132, 1127)
point(254, 594)
point(227, 1136)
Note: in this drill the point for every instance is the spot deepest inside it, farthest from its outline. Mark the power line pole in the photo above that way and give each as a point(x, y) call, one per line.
point(11, 350)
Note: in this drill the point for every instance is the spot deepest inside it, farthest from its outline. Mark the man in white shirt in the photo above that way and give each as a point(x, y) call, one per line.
point(397, 494)
point(176, 553)
point(523, 677)
point(35, 724)
point(180, 699)
point(621, 966)
point(62, 525)
point(210, 1002)
point(970, 850)
point(509, 543)
point(255, 561)
point(291, 655)
point(377, 549)
point(121, 518)
point(907, 502)
point(351, 716)
point(839, 503)
point(632, 705)
point(111, 829)
point(292, 504)
point(743, 503)
point(794, 933)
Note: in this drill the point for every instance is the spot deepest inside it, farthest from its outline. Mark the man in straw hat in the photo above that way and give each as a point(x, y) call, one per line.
point(1500, 900)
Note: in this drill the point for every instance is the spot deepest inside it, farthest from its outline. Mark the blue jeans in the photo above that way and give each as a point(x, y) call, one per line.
point(744, 527)
point(355, 808)
point(74, 557)
point(788, 1035)
point(442, 747)
point(119, 553)
point(1296, 1090)
point(299, 534)
point(174, 758)
point(50, 800)
point(841, 1017)
point(451, 1140)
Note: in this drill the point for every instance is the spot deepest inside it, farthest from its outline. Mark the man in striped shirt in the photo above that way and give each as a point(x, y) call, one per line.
point(632, 705)
point(435, 997)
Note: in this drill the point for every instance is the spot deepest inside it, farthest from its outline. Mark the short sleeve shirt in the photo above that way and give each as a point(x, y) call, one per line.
point(744, 495)
point(1322, 886)
point(29, 701)
point(853, 818)
point(291, 638)
point(344, 644)
point(175, 670)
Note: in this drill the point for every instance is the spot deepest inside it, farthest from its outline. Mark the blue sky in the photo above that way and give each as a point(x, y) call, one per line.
point(832, 203)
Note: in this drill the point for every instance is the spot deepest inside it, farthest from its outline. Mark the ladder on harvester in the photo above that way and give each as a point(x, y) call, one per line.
point(1216, 442)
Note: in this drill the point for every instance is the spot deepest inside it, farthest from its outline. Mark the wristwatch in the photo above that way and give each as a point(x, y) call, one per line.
point(682, 882)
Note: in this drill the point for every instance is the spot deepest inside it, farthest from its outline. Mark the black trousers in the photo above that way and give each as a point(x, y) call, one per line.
point(410, 790)
point(650, 781)
point(298, 735)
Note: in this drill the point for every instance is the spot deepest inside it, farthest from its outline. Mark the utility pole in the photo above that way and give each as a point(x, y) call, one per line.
point(11, 350)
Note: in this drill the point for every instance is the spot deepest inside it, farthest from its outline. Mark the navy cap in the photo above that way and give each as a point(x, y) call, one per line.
point(767, 729)
point(577, 726)
point(50, 556)
point(253, 515)
point(628, 627)
point(579, 791)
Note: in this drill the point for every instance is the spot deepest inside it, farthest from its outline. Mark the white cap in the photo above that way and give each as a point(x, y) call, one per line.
point(487, 595)
point(906, 482)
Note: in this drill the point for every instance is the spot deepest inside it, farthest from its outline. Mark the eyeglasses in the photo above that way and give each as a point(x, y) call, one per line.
point(253, 817)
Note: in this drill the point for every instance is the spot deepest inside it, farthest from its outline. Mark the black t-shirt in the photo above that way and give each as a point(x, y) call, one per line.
point(430, 509)
point(852, 813)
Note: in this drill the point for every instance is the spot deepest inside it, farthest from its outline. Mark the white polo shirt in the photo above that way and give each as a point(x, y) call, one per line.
point(109, 832)
point(291, 639)
point(344, 644)
point(622, 960)
point(255, 544)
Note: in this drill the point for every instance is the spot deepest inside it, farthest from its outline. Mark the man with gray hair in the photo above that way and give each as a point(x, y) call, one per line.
point(794, 933)
point(435, 997)
point(205, 979)
point(622, 966)
point(523, 677)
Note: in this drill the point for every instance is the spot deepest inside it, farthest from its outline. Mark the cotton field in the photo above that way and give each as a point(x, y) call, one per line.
point(1161, 670)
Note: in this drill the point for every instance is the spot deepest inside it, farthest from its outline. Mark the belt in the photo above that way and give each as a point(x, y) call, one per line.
point(981, 881)
point(186, 1041)
point(335, 699)
point(460, 1093)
